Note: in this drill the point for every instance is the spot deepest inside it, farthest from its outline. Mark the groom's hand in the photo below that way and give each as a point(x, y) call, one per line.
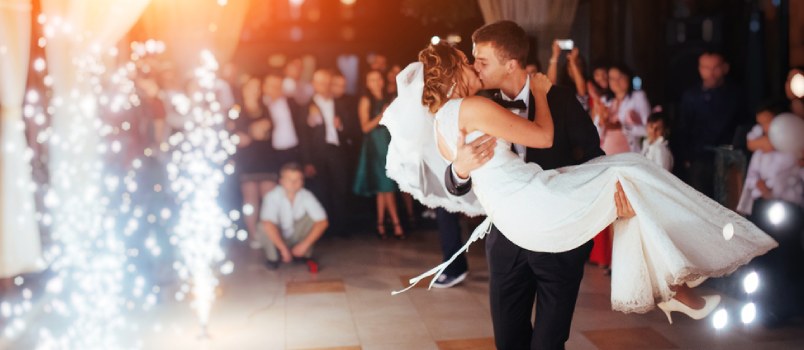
point(624, 209)
point(472, 155)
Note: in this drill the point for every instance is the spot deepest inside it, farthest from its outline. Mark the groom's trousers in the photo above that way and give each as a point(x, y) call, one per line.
point(517, 277)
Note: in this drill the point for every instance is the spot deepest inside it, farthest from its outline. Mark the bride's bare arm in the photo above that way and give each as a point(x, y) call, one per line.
point(478, 113)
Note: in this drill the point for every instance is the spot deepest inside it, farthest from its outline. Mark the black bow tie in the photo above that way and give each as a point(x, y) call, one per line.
point(516, 104)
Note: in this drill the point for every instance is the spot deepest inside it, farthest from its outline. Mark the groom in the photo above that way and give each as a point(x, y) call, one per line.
point(518, 276)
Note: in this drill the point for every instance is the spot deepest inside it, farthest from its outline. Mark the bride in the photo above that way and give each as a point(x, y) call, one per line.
point(678, 235)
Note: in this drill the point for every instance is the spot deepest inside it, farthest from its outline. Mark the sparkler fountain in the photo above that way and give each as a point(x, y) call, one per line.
point(197, 170)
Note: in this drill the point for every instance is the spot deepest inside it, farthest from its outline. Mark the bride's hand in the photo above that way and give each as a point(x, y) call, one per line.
point(539, 83)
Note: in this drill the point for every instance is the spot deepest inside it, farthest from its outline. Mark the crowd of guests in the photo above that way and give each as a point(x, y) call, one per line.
point(327, 141)
point(308, 152)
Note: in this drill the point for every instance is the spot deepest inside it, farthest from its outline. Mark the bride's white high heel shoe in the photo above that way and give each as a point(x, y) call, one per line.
point(711, 302)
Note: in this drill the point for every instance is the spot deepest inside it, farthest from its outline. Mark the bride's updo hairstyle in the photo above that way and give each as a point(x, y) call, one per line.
point(443, 68)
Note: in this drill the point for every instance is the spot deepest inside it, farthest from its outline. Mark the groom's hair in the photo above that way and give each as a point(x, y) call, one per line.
point(508, 39)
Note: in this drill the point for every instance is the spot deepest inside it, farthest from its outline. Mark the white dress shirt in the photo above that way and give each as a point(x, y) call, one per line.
point(327, 107)
point(780, 172)
point(283, 136)
point(658, 152)
point(279, 210)
point(523, 95)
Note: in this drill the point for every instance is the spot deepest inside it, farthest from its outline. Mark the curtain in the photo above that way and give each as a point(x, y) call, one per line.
point(78, 29)
point(189, 26)
point(20, 247)
point(491, 10)
point(545, 19)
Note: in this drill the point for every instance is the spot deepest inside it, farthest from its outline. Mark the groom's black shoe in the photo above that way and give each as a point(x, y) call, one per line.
point(447, 281)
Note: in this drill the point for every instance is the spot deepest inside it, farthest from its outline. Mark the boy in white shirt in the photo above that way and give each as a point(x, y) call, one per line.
point(293, 219)
point(654, 147)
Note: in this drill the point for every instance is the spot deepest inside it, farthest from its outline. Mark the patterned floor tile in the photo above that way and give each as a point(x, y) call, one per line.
point(628, 338)
point(466, 344)
point(307, 287)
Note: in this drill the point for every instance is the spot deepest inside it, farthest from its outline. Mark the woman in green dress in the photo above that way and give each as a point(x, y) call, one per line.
point(370, 179)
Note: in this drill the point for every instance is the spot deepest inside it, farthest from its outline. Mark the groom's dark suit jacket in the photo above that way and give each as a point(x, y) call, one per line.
point(575, 141)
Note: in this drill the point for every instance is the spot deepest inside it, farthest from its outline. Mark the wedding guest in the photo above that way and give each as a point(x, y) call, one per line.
point(293, 220)
point(771, 174)
point(289, 140)
point(253, 157)
point(623, 122)
point(572, 75)
point(708, 117)
point(378, 62)
point(655, 146)
point(371, 179)
point(598, 89)
point(533, 67)
point(351, 123)
point(293, 86)
point(328, 151)
point(390, 77)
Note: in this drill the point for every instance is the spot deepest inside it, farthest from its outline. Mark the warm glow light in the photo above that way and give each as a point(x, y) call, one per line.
point(454, 38)
point(797, 85)
point(348, 2)
point(435, 40)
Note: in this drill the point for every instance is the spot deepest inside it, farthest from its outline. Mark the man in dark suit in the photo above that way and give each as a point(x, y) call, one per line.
point(328, 150)
point(289, 139)
point(519, 276)
point(358, 207)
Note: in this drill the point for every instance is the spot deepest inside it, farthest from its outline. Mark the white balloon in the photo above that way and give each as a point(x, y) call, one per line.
point(787, 133)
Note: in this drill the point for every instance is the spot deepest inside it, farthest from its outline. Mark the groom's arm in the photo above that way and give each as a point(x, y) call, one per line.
point(456, 186)
point(467, 158)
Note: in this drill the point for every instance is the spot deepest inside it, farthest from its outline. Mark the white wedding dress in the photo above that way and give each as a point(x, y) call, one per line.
point(677, 235)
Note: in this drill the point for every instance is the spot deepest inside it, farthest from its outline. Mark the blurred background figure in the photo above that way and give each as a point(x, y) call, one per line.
point(572, 75)
point(655, 146)
point(371, 179)
point(293, 86)
point(708, 117)
point(254, 154)
point(328, 151)
point(623, 122)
